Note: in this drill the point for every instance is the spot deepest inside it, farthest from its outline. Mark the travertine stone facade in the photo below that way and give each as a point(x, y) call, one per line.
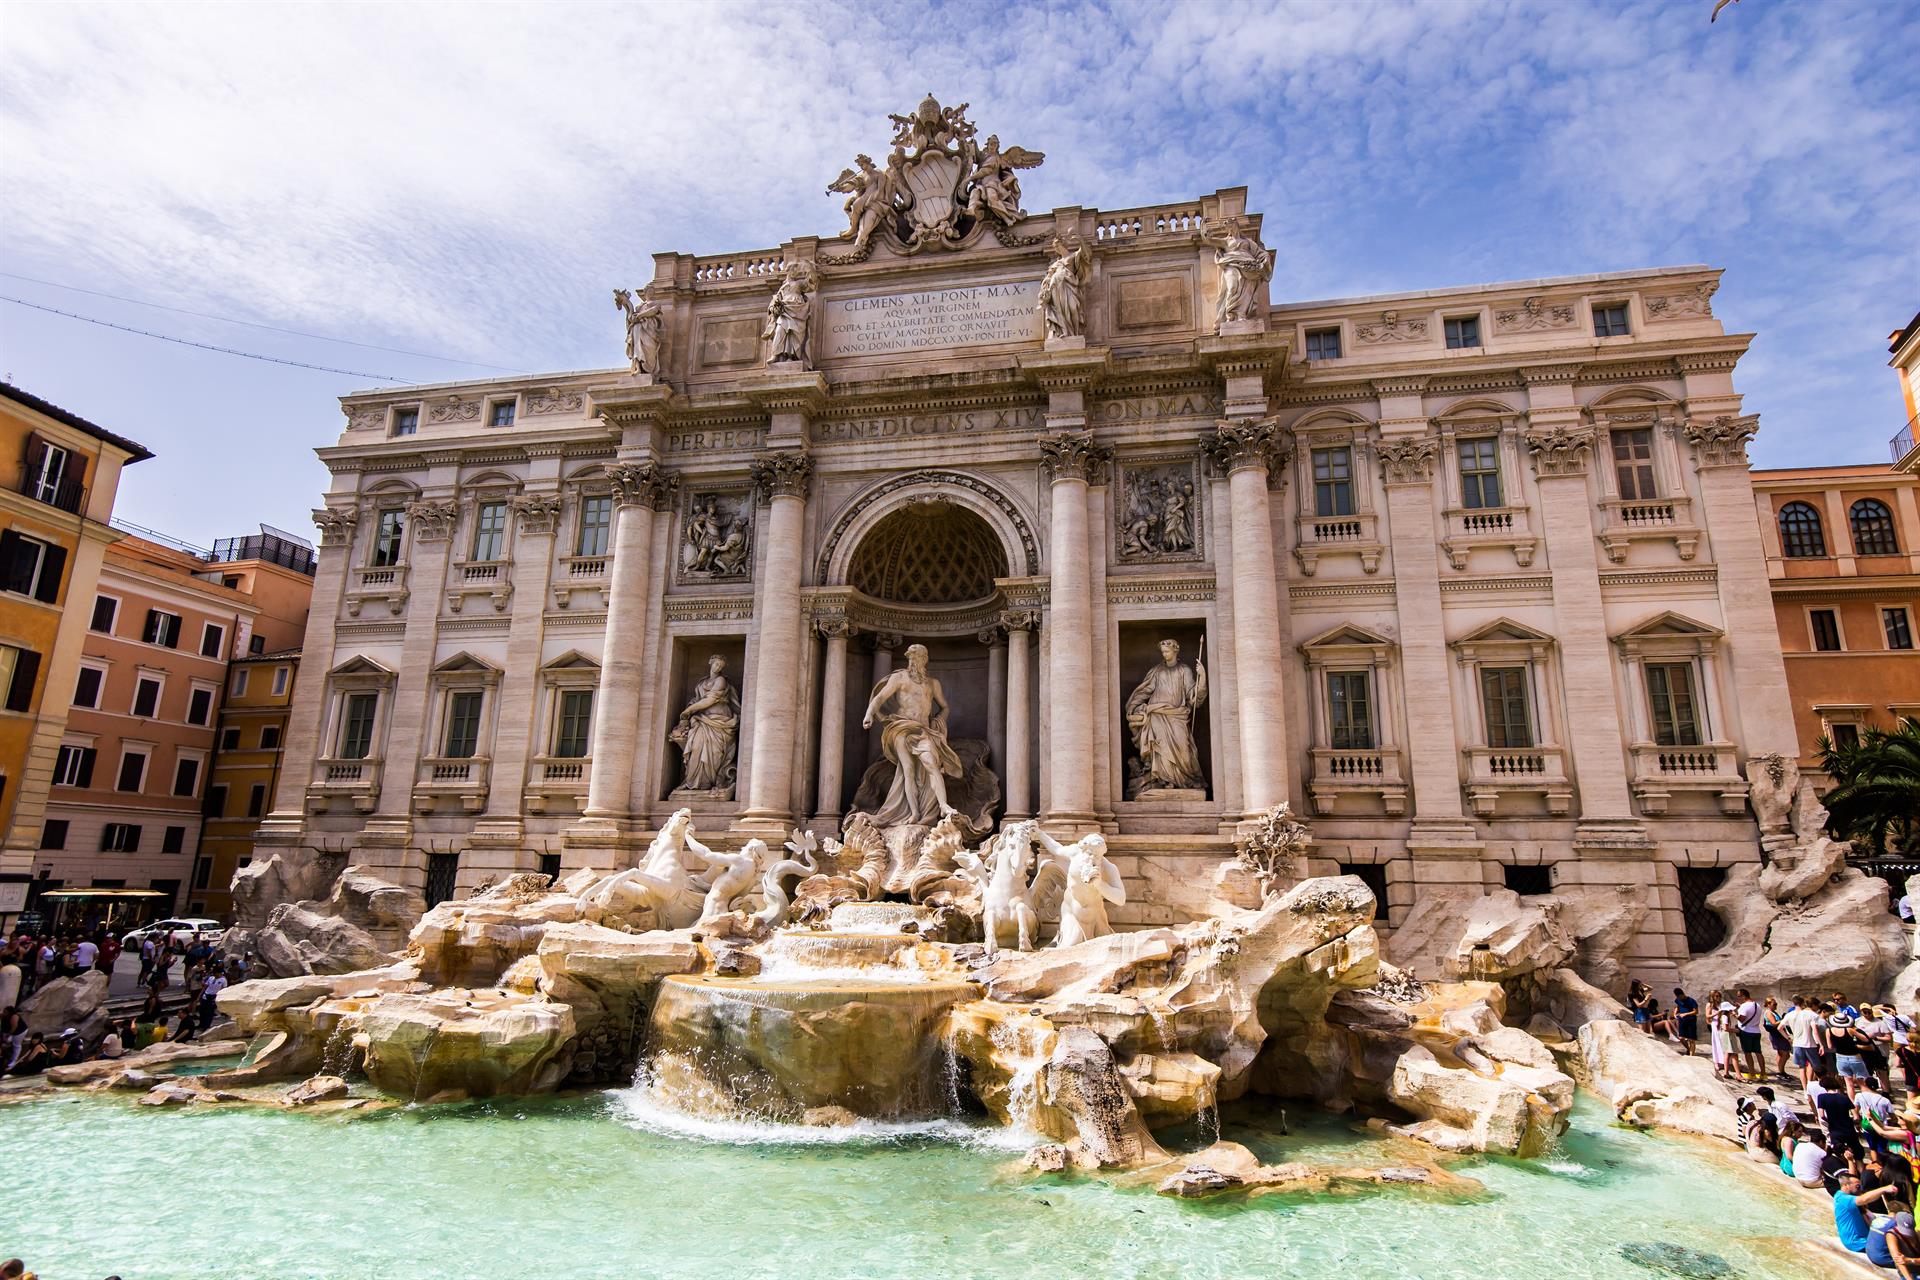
point(1479, 582)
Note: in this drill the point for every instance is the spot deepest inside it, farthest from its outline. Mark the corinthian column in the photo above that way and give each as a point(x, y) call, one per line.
point(1071, 459)
point(639, 490)
point(1019, 731)
point(1245, 450)
point(782, 479)
point(833, 721)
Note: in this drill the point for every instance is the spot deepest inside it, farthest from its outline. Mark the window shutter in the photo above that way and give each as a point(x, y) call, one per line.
point(26, 668)
point(16, 565)
point(33, 456)
point(87, 758)
point(52, 569)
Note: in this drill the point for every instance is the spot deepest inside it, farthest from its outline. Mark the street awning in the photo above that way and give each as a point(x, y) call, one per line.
point(103, 893)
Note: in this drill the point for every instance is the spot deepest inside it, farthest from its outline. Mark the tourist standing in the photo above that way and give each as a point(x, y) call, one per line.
point(1640, 1000)
point(216, 982)
point(1686, 1021)
point(1748, 1025)
point(1848, 1051)
point(1802, 1024)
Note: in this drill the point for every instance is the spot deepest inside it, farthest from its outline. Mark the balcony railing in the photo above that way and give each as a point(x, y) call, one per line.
point(1493, 771)
point(1468, 528)
point(490, 578)
point(580, 573)
point(385, 583)
point(1659, 771)
point(1368, 772)
point(68, 495)
point(337, 778)
point(558, 778)
point(1904, 443)
point(461, 778)
point(1356, 534)
point(1630, 520)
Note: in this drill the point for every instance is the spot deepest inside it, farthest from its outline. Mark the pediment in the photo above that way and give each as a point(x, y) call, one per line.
point(1670, 625)
point(464, 663)
point(361, 665)
point(1346, 634)
point(1505, 631)
point(572, 660)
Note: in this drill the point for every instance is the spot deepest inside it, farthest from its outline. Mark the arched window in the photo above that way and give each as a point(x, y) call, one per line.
point(1800, 530)
point(1872, 529)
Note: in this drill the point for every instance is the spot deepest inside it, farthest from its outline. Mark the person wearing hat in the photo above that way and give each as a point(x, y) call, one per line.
point(1850, 1060)
point(1892, 1242)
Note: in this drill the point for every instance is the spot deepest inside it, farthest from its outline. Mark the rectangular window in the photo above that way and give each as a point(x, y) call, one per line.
point(575, 717)
point(550, 866)
point(1528, 882)
point(356, 725)
point(31, 567)
point(256, 645)
point(162, 628)
point(256, 800)
point(270, 737)
point(1480, 472)
point(202, 868)
point(73, 767)
point(54, 834)
point(463, 724)
point(1350, 710)
point(596, 523)
point(1633, 463)
point(19, 670)
point(1503, 695)
point(229, 739)
point(489, 530)
point(1845, 736)
point(240, 682)
point(186, 776)
point(106, 611)
point(47, 474)
point(212, 638)
point(387, 537)
point(501, 415)
point(442, 870)
point(173, 840)
point(1333, 481)
point(86, 687)
point(1463, 332)
point(216, 802)
point(1670, 697)
point(1610, 320)
point(1323, 344)
point(279, 681)
point(231, 580)
point(146, 697)
point(120, 837)
point(1826, 630)
point(200, 706)
point(1899, 628)
point(133, 771)
point(406, 421)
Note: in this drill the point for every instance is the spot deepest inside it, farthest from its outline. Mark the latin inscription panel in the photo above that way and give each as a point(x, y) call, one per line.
point(928, 319)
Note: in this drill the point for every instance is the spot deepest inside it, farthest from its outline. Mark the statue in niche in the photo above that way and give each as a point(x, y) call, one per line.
point(644, 319)
point(708, 734)
point(1244, 265)
point(912, 709)
point(1160, 714)
point(1157, 521)
point(1061, 287)
point(717, 538)
point(787, 315)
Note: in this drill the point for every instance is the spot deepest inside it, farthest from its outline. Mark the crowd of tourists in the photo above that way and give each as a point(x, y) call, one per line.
point(1827, 1108)
point(29, 962)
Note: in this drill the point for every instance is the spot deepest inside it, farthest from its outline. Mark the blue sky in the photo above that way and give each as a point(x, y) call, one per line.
point(471, 181)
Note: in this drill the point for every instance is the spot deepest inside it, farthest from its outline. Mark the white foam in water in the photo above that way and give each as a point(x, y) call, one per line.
point(1572, 1168)
point(640, 1107)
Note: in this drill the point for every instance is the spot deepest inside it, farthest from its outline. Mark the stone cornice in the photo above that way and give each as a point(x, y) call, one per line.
point(801, 391)
point(1410, 385)
point(1066, 370)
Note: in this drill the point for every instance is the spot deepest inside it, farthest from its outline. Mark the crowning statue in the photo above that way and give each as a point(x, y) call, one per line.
point(644, 320)
point(1061, 286)
point(787, 315)
point(870, 196)
point(1160, 715)
point(708, 734)
point(1244, 266)
point(913, 734)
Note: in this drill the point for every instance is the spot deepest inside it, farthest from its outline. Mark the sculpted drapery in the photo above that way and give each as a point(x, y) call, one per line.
point(912, 709)
point(1160, 714)
point(708, 732)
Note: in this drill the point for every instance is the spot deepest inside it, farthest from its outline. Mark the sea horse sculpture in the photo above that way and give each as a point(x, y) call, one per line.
point(773, 879)
point(661, 880)
point(1004, 900)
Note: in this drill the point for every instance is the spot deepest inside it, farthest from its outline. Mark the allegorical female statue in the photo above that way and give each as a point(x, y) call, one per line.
point(1061, 287)
point(1244, 266)
point(643, 330)
point(787, 315)
point(1160, 715)
point(708, 733)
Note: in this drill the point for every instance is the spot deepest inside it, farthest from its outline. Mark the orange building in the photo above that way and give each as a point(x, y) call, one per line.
point(134, 759)
point(1903, 346)
point(1843, 555)
point(59, 474)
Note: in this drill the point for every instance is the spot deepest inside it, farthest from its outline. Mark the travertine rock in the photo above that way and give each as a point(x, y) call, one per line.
point(1574, 1002)
point(315, 1089)
point(383, 909)
point(1496, 936)
point(609, 979)
point(301, 939)
point(1519, 1111)
point(477, 1044)
point(1170, 1088)
point(1842, 938)
point(287, 875)
point(1603, 921)
point(472, 942)
point(1647, 1083)
point(78, 1003)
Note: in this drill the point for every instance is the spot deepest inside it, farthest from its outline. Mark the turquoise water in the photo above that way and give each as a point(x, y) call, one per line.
point(595, 1186)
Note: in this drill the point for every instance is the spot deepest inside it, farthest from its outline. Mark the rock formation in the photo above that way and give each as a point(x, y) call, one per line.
point(1648, 1084)
point(305, 911)
point(1839, 936)
point(78, 1003)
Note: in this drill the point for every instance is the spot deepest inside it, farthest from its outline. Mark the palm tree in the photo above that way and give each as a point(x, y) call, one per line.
point(1875, 801)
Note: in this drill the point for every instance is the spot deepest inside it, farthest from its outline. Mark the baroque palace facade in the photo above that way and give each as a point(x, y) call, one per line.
point(1473, 574)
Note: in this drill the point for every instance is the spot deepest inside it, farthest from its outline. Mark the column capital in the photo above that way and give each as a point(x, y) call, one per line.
point(1239, 443)
point(834, 627)
point(642, 484)
point(335, 524)
point(991, 636)
point(1019, 619)
point(887, 640)
point(786, 474)
point(432, 521)
point(537, 513)
point(1073, 455)
point(1409, 459)
point(1720, 441)
point(1560, 450)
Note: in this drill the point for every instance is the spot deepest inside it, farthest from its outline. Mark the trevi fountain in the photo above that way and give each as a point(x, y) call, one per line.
point(948, 1023)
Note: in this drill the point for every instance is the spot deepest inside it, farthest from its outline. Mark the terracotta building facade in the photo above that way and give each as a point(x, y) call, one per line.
point(1473, 573)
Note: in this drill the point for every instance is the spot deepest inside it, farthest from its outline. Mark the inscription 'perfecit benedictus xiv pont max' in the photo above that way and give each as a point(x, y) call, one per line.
point(1050, 448)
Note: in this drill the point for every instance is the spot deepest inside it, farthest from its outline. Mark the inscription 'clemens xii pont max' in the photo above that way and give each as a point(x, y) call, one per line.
point(891, 322)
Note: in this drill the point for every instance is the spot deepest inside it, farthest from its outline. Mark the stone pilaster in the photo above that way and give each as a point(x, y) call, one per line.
point(782, 479)
point(430, 529)
point(995, 639)
point(536, 520)
point(640, 490)
point(1246, 449)
point(1070, 459)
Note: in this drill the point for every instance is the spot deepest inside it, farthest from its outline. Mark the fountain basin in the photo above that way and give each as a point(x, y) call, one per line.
point(776, 1049)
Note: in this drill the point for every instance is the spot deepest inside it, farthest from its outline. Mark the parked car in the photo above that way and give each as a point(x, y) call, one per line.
point(186, 928)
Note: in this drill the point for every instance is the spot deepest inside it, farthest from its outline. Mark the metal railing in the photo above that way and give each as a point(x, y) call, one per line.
point(1904, 441)
point(267, 547)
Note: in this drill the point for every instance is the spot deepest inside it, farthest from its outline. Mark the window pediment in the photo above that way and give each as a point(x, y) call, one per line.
point(1347, 644)
point(1503, 638)
point(1669, 634)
